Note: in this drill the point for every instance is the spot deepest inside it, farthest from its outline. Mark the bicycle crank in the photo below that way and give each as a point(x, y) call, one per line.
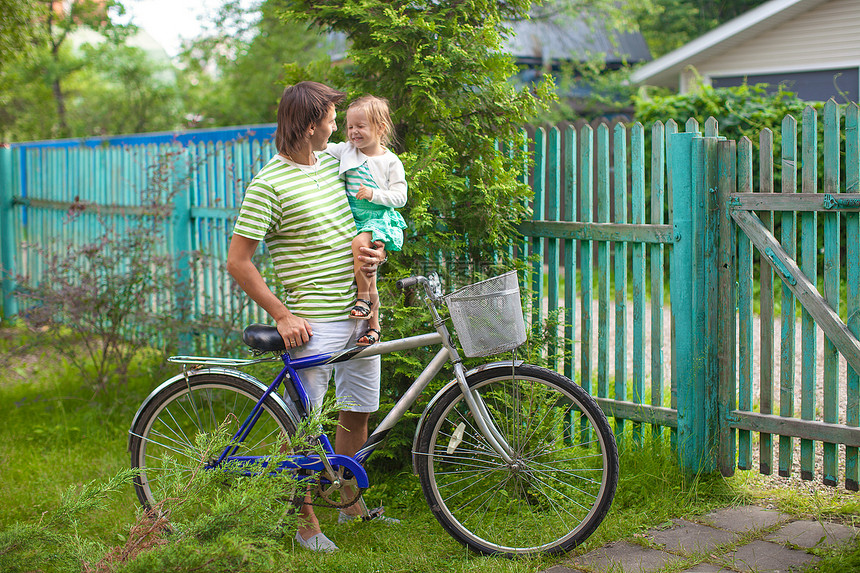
point(337, 490)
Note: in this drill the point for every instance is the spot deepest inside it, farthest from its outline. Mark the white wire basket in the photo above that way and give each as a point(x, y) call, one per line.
point(488, 315)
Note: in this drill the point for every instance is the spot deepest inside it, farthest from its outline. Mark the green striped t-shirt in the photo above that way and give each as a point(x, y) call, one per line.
point(305, 220)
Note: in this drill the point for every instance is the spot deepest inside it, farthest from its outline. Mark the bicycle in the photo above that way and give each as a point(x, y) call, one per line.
point(512, 458)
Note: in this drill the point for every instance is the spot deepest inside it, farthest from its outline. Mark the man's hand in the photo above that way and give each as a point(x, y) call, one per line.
point(294, 330)
point(372, 258)
point(364, 193)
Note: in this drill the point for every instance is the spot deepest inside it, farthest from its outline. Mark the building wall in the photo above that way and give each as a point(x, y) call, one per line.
point(826, 37)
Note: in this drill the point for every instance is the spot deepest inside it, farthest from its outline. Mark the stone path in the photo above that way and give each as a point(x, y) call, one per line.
point(738, 539)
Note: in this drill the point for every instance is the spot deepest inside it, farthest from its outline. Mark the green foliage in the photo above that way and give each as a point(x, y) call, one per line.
point(16, 26)
point(122, 89)
point(847, 559)
point(742, 111)
point(249, 46)
point(440, 66)
point(53, 543)
point(202, 524)
point(78, 78)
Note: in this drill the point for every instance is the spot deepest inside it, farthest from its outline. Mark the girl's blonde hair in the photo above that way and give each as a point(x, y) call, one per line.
point(378, 115)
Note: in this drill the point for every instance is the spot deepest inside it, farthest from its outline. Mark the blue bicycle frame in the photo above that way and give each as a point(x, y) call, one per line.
point(289, 376)
point(299, 405)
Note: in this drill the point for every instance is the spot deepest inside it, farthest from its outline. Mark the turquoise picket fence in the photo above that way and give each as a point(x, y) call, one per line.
point(61, 193)
point(643, 244)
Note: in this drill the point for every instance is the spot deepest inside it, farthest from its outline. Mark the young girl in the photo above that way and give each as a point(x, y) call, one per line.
point(375, 185)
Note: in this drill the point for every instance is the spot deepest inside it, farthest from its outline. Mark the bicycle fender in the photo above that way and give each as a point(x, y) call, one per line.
point(435, 398)
point(289, 408)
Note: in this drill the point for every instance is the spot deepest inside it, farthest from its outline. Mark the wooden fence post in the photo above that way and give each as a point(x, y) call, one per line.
point(725, 309)
point(708, 292)
point(538, 210)
point(7, 235)
point(182, 222)
point(687, 353)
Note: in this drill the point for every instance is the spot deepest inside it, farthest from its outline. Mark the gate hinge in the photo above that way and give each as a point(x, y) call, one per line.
point(831, 202)
point(777, 262)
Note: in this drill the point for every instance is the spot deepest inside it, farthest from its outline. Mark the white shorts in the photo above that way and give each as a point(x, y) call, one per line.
point(356, 381)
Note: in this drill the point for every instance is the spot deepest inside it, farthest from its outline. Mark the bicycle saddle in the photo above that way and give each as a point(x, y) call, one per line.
point(263, 337)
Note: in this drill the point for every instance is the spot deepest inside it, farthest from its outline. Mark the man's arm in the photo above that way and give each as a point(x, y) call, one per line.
point(294, 330)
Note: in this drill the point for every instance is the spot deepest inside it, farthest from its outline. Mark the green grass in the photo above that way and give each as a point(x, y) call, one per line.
point(54, 433)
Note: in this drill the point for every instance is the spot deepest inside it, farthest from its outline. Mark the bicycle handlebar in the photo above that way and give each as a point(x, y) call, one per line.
point(410, 281)
point(432, 285)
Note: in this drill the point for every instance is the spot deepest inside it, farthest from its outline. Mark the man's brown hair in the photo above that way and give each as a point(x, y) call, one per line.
point(302, 105)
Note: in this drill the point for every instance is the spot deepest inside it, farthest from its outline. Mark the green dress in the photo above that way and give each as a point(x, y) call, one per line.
point(384, 223)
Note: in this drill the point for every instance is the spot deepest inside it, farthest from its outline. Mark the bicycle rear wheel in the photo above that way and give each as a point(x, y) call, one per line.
point(164, 441)
point(558, 486)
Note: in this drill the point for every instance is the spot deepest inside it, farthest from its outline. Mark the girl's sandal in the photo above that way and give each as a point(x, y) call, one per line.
point(369, 338)
point(361, 312)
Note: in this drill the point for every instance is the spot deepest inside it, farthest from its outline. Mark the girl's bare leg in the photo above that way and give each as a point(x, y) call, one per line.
point(374, 298)
point(366, 286)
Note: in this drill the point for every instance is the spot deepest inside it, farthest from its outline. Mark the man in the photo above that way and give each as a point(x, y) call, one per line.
point(298, 205)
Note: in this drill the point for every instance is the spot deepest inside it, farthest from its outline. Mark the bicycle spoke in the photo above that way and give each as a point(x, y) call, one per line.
point(185, 450)
point(550, 494)
point(178, 425)
point(564, 495)
point(166, 437)
point(548, 469)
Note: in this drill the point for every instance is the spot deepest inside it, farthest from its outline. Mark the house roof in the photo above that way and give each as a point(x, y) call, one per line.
point(566, 38)
point(665, 70)
point(537, 42)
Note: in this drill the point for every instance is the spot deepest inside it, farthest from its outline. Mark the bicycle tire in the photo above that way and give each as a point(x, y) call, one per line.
point(164, 435)
point(562, 479)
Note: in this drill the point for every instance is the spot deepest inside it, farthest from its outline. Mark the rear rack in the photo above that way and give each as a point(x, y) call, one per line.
point(216, 361)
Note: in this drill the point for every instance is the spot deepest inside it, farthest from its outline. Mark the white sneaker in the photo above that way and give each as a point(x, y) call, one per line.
point(318, 542)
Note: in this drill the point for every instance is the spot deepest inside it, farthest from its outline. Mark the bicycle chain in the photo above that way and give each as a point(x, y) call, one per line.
point(318, 491)
point(317, 495)
point(350, 504)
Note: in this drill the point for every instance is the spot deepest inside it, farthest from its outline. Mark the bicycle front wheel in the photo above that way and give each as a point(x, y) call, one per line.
point(562, 473)
point(165, 439)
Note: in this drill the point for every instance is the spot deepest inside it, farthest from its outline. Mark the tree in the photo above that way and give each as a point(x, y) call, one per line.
point(613, 14)
point(61, 62)
point(441, 66)
point(247, 49)
point(80, 78)
point(123, 90)
point(17, 27)
point(672, 23)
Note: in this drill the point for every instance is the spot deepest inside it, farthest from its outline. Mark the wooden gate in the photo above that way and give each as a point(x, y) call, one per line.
point(737, 215)
point(723, 403)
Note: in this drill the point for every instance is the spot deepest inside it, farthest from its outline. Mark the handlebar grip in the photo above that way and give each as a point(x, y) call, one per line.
point(408, 282)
